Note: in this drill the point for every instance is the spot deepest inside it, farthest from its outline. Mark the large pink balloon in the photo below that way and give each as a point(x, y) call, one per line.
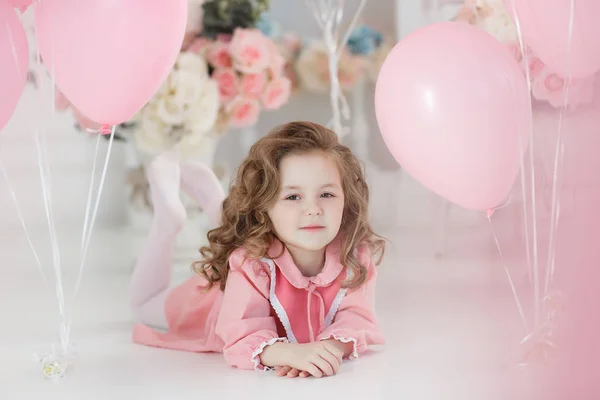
point(14, 53)
point(452, 106)
point(545, 28)
point(110, 57)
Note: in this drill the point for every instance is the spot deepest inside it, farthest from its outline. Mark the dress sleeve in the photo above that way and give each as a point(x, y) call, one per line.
point(245, 323)
point(355, 320)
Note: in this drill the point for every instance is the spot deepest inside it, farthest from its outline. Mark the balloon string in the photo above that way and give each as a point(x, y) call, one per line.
point(535, 265)
point(9, 185)
point(15, 201)
point(558, 157)
point(515, 294)
point(89, 198)
point(45, 176)
point(46, 193)
point(87, 239)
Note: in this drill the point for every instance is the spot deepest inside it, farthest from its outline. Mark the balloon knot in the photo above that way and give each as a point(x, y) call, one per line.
point(105, 130)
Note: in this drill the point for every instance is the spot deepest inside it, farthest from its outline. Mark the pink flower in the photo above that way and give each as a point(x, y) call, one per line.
point(243, 112)
point(515, 49)
point(252, 85)
point(292, 42)
point(554, 83)
point(550, 87)
point(249, 49)
point(198, 45)
point(536, 67)
point(277, 61)
point(228, 83)
point(277, 93)
point(218, 55)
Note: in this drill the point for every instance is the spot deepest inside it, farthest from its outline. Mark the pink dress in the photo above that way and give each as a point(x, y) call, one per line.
point(265, 301)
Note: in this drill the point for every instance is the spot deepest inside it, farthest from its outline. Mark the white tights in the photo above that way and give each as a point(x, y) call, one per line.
point(151, 279)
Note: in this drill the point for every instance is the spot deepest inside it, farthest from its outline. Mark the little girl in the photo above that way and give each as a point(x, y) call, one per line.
point(287, 281)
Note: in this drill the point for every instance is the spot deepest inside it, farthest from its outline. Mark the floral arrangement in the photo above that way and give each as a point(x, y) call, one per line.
point(234, 65)
point(249, 71)
point(362, 58)
point(182, 114)
point(546, 85)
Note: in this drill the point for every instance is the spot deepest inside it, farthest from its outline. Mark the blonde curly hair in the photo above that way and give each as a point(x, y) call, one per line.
point(244, 219)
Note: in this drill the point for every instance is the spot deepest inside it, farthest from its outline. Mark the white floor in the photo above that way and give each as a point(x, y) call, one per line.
point(451, 324)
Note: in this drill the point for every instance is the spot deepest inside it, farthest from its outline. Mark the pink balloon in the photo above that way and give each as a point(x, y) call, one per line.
point(110, 57)
point(22, 5)
point(14, 53)
point(452, 105)
point(545, 28)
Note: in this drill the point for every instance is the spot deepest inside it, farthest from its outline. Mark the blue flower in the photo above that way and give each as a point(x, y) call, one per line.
point(364, 40)
point(269, 28)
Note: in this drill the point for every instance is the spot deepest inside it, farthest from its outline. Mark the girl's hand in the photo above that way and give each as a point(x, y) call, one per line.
point(318, 359)
point(291, 372)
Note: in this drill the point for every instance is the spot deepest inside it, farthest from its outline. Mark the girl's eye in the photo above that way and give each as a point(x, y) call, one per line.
point(327, 195)
point(293, 197)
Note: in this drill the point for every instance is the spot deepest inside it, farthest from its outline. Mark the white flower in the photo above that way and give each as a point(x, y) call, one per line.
point(313, 68)
point(183, 112)
point(494, 18)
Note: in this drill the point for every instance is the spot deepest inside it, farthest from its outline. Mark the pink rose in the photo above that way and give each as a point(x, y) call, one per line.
point(536, 67)
point(249, 49)
point(198, 45)
point(252, 85)
point(277, 61)
point(515, 49)
point(218, 55)
point(277, 93)
point(292, 42)
point(228, 83)
point(243, 112)
point(554, 83)
point(550, 87)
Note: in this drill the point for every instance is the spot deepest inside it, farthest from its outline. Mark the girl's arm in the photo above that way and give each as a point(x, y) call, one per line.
point(355, 325)
point(245, 323)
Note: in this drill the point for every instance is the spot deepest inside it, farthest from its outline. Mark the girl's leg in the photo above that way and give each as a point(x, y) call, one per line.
point(202, 185)
point(151, 278)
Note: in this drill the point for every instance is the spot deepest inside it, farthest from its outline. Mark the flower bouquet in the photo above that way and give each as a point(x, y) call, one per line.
point(249, 70)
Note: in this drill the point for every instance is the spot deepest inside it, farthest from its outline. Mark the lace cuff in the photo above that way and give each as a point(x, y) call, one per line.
point(343, 339)
point(256, 353)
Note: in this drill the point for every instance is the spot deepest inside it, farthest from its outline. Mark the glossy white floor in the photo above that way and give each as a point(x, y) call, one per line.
point(451, 325)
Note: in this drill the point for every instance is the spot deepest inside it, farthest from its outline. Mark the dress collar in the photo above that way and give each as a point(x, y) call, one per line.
point(331, 269)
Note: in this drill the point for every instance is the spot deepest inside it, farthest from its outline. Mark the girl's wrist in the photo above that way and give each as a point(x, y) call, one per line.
point(345, 347)
point(276, 355)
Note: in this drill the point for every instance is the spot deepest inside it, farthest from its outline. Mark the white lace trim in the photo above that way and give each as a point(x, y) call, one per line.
point(347, 340)
point(276, 304)
point(335, 307)
point(256, 353)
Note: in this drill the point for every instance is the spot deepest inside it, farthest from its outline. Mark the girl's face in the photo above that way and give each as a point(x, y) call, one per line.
point(307, 213)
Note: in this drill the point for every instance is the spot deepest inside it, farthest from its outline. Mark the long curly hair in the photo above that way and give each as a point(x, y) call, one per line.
point(244, 219)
